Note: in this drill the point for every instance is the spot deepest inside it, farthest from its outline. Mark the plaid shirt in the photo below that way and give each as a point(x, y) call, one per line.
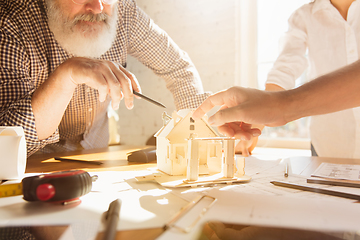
point(29, 53)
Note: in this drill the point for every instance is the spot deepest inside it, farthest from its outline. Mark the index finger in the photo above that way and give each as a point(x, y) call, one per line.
point(125, 84)
point(134, 82)
point(216, 99)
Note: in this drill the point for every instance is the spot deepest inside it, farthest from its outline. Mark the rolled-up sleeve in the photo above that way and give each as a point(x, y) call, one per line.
point(291, 62)
point(155, 49)
point(16, 89)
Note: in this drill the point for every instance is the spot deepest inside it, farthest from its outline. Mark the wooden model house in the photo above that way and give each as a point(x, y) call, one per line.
point(172, 145)
point(191, 153)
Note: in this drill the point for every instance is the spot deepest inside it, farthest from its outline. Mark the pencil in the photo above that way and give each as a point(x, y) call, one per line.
point(112, 219)
point(148, 99)
point(286, 173)
point(316, 190)
point(334, 182)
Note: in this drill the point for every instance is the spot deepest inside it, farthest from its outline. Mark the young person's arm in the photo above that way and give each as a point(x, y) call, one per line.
point(333, 92)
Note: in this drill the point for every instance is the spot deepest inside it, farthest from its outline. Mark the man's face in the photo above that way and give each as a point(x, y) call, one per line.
point(83, 29)
point(89, 17)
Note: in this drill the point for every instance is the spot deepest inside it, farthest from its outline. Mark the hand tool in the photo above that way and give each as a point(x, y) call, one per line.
point(62, 186)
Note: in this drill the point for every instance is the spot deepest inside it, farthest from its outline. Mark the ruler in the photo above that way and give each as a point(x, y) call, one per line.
point(8, 190)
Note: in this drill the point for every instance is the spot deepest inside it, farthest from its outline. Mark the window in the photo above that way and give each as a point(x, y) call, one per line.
point(213, 150)
point(192, 122)
point(180, 152)
point(272, 23)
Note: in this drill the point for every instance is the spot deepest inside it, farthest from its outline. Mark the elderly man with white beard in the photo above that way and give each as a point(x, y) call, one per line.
point(62, 64)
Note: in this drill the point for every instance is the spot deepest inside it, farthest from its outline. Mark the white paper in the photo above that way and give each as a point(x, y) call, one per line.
point(261, 203)
point(338, 171)
point(275, 211)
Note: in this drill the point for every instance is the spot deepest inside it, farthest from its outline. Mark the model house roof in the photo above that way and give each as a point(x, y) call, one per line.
point(179, 128)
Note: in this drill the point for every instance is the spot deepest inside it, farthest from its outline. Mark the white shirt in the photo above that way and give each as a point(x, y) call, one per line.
point(332, 43)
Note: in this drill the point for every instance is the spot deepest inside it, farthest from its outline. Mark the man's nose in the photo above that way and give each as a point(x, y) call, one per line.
point(95, 6)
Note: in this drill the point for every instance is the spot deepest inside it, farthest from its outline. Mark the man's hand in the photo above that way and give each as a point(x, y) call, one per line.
point(51, 99)
point(245, 105)
point(244, 132)
point(109, 78)
point(245, 148)
point(240, 109)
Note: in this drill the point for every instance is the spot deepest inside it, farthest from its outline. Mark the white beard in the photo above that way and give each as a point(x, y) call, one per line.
point(87, 41)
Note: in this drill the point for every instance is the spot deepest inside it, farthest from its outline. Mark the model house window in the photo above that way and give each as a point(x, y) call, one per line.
point(192, 124)
point(212, 150)
point(180, 151)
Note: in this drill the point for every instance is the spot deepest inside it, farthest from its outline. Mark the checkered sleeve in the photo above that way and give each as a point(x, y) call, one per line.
point(16, 233)
point(156, 50)
point(16, 88)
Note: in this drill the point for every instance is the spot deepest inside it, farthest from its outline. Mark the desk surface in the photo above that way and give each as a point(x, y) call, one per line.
point(115, 159)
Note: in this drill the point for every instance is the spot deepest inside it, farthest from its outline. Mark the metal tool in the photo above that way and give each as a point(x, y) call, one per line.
point(148, 99)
